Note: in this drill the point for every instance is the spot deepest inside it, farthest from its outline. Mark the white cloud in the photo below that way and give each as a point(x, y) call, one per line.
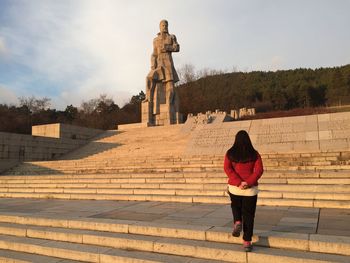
point(76, 50)
point(270, 64)
point(3, 48)
point(7, 96)
point(85, 49)
point(276, 63)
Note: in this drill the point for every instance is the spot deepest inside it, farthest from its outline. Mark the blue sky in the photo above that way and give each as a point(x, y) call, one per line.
point(75, 50)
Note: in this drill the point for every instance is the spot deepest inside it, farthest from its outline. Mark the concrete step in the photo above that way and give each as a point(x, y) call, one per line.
point(146, 236)
point(23, 178)
point(327, 194)
point(147, 163)
point(266, 156)
point(9, 256)
point(124, 185)
point(177, 188)
point(336, 167)
point(177, 183)
point(198, 242)
point(127, 180)
point(165, 168)
point(219, 174)
point(176, 180)
point(112, 170)
point(273, 199)
point(268, 175)
point(331, 192)
point(89, 253)
point(155, 163)
point(111, 156)
point(306, 188)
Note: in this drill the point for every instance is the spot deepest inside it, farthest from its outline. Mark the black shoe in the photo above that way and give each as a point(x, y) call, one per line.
point(237, 229)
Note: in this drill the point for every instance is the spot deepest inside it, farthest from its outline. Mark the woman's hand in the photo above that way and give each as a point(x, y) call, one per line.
point(243, 185)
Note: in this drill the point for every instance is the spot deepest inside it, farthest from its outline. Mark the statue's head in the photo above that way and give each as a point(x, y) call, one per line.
point(163, 26)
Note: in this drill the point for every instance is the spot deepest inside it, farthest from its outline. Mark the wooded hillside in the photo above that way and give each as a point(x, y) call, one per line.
point(267, 91)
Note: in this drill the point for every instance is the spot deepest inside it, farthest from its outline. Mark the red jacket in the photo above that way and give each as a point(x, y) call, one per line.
point(249, 172)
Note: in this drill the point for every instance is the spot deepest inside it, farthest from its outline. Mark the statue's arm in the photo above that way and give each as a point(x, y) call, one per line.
point(173, 47)
point(154, 57)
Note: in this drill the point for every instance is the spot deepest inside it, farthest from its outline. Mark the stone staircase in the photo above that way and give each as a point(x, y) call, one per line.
point(150, 165)
point(307, 180)
point(316, 190)
point(102, 240)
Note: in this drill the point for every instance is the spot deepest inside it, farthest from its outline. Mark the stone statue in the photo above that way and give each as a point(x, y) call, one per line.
point(161, 79)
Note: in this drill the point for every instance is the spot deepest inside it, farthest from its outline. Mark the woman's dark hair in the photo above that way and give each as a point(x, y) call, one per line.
point(242, 150)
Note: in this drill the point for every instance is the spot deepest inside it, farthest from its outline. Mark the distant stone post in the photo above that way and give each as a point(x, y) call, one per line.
point(161, 105)
point(242, 112)
point(234, 114)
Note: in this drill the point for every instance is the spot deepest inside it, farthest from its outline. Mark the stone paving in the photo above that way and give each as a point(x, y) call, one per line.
point(282, 219)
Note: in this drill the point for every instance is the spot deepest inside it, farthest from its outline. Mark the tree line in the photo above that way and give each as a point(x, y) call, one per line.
point(199, 92)
point(99, 113)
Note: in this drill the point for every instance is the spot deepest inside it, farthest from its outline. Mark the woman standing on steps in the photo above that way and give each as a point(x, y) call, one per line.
point(243, 167)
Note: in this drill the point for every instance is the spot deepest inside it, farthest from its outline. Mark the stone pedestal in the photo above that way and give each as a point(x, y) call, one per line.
point(146, 114)
point(159, 111)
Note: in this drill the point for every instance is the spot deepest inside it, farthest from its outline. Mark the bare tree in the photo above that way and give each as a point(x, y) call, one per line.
point(91, 105)
point(205, 72)
point(33, 104)
point(186, 74)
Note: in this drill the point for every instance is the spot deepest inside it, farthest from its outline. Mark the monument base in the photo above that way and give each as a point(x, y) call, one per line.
point(146, 114)
point(166, 115)
point(125, 127)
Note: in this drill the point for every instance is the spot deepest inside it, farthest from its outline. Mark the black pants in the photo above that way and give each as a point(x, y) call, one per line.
point(243, 209)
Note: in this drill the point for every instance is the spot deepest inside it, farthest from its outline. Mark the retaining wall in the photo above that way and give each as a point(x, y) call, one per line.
point(55, 141)
point(312, 133)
